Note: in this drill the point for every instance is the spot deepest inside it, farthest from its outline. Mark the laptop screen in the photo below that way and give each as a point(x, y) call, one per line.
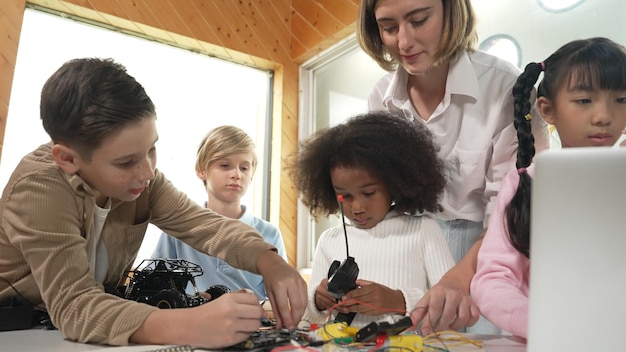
point(578, 251)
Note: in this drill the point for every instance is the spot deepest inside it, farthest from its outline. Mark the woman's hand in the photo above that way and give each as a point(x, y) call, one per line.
point(445, 306)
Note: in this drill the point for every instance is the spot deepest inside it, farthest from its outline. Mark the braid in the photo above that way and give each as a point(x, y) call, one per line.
point(518, 210)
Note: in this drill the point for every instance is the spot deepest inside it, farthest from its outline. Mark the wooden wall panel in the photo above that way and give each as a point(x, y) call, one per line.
point(11, 16)
point(274, 23)
point(304, 32)
point(275, 35)
point(318, 24)
point(343, 11)
point(312, 13)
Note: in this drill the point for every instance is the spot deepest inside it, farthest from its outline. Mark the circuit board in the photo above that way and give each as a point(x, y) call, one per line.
point(265, 339)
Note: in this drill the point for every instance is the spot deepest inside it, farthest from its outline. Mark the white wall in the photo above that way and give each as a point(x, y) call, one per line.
point(540, 33)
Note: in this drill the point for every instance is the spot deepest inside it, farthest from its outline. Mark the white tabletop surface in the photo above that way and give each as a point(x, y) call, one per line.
point(53, 341)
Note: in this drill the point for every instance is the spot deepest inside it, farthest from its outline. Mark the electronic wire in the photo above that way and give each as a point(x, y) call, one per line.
point(22, 297)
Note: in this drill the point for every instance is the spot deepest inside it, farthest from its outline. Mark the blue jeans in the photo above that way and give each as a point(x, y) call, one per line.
point(461, 236)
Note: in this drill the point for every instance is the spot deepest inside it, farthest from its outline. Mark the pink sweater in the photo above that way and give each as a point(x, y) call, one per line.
point(500, 286)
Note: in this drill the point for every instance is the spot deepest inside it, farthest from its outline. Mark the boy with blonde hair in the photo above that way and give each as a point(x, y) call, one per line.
point(226, 161)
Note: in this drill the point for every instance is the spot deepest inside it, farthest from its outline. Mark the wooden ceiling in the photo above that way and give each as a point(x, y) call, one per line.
point(238, 30)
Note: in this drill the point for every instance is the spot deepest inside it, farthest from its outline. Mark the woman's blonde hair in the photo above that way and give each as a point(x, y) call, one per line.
point(459, 33)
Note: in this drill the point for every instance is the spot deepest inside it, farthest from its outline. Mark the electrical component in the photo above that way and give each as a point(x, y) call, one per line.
point(406, 342)
point(336, 331)
point(374, 329)
point(15, 315)
point(266, 339)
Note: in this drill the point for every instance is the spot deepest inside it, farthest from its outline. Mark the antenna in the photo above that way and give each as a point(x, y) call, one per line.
point(343, 220)
point(342, 276)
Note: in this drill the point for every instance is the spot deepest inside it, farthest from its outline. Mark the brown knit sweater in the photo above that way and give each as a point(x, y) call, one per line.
point(46, 218)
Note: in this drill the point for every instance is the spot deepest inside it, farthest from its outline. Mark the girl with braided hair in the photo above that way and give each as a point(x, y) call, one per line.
point(583, 95)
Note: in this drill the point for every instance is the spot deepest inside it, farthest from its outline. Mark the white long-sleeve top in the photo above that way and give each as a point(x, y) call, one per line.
point(403, 252)
point(473, 125)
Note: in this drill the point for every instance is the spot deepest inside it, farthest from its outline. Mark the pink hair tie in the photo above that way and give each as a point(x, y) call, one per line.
point(521, 170)
point(543, 66)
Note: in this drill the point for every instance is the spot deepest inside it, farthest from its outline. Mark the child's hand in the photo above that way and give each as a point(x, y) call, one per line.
point(285, 288)
point(213, 325)
point(323, 299)
point(232, 317)
point(380, 299)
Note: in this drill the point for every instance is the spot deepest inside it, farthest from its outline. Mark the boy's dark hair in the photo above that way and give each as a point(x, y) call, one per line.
point(400, 152)
point(595, 63)
point(88, 99)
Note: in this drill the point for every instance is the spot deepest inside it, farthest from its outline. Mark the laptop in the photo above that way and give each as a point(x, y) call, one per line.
point(578, 251)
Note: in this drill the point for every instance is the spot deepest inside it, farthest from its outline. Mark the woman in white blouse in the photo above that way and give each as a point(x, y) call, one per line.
point(464, 97)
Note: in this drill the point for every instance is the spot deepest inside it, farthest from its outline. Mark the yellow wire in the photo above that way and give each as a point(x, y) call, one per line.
point(451, 336)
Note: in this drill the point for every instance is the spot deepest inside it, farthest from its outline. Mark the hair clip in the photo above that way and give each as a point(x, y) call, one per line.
point(543, 66)
point(528, 116)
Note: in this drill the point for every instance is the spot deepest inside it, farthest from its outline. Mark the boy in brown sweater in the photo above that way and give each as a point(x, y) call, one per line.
point(75, 211)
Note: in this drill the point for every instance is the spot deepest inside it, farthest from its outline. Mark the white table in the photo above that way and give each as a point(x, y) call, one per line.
point(53, 341)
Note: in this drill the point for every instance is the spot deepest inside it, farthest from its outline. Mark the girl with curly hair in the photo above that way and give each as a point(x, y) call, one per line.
point(366, 161)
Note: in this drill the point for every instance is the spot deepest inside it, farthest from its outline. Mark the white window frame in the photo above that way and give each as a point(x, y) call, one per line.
point(306, 127)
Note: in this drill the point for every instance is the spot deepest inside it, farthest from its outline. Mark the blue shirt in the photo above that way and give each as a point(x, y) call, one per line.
point(217, 271)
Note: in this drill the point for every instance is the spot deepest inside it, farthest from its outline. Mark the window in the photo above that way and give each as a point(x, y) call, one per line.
point(335, 86)
point(558, 5)
point(193, 93)
point(503, 46)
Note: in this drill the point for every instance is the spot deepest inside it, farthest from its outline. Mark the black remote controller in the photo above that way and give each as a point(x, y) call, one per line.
point(342, 277)
point(341, 280)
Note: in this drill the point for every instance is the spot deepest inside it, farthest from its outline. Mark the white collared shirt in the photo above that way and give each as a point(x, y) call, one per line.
point(473, 126)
